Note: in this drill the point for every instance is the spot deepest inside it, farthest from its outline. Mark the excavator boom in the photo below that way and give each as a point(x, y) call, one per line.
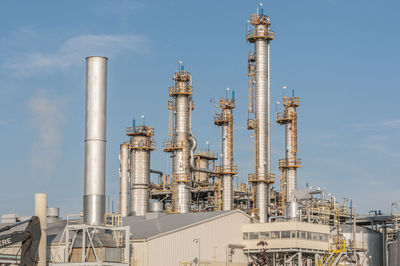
point(29, 238)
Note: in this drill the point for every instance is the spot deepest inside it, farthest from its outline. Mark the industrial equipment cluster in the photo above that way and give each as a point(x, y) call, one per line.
point(195, 215)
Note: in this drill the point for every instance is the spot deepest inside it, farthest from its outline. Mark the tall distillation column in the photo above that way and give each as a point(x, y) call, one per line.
point(261, 35)
point(124, 179)
point(225, 120)
point(94, 201)
point(180, 105)
point(289, 165)
point(141, 143)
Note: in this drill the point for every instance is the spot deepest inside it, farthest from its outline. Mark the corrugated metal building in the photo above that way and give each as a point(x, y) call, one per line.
point(182, 239)
point(169, 239)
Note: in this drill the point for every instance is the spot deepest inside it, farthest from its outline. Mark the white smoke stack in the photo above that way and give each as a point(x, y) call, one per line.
point(95, 140)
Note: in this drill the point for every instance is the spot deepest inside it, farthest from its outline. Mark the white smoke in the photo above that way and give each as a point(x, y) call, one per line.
point(72, 51)
point(46, 117)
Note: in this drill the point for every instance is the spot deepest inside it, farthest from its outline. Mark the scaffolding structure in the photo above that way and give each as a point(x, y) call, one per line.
point(82, 244)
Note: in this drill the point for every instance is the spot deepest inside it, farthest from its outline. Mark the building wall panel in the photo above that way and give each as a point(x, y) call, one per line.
point(178, 248)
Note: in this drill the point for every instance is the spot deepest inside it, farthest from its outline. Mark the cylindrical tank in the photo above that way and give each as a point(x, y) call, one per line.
point(141, 145)
point(9, 218)
point(53, 215)
point(367, 239)
point(95, 140)
point(201, 176)
point(156, 206)
point(393, 253)
point(124, 179)
point(292, 210)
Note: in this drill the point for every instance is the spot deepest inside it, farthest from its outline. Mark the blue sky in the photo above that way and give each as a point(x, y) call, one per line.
point(340, 56)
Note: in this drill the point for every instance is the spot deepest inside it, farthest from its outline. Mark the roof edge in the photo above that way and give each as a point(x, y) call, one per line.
point(199, 222)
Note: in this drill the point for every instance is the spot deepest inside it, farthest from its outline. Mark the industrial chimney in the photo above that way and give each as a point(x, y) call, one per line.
point(95, 140)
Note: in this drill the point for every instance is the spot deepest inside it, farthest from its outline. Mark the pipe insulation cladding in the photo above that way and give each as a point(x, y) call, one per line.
point(95, 140)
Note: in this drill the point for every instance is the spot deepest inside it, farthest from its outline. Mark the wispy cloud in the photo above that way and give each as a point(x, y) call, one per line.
point(380, 137)
point(379, 125)
point(118, 7)
point(6, 122)
point(73, 50)
point(46, 118)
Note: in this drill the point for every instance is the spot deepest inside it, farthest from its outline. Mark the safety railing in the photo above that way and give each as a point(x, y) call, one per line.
point(206, 153)
point(170, 145)
point(181, 177)
point(283, 117)
point(221, 118)
point(266, 34)
point(289, 163)
point(148, 144)
point(251, 123)
point(291, 101)
point(174, 91)
point(227, 103)
point(140, 130)
point(269, 179)
point(233, 170)
point(182, 76)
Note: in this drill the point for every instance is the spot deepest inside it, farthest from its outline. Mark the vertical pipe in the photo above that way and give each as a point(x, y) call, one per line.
point(95, 140)
point(41, 212)
point(124, 179)
point(268, 170)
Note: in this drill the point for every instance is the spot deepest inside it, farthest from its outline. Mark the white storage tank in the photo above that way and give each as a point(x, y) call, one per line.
point(394, 252)
point(11, 218)
point(53, 215)
point(156, 206)
point(370, 240)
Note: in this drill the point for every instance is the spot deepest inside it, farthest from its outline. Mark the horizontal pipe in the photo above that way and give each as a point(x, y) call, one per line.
point(156, 172)
point(318, 192)
point(193, 145)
